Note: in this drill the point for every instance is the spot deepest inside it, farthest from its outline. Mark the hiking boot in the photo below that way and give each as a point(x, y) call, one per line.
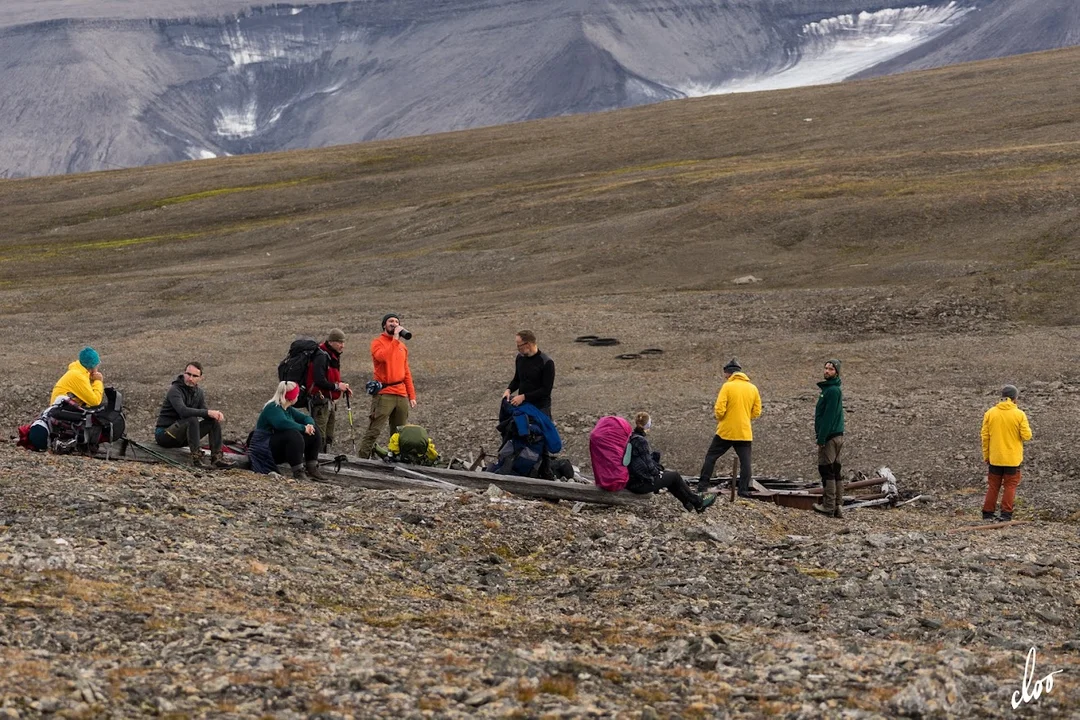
point(706, 502)
point(838, 511)
point(1006, 516)
point(298, 472)
point(838, 498)
point(312, 468)
point(818, 507)
point(989, 516)
point(199, 462)
point(219, 462)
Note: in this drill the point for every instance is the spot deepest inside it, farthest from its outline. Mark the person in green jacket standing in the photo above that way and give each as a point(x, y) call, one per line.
point(829, 428)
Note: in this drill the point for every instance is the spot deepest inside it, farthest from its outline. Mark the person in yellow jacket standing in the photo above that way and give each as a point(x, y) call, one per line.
point(82, 380)
point(738, 403)
point(1005, 429)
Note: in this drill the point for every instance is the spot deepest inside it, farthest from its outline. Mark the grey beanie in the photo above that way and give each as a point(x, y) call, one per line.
point(835, 363)
point(733, 366)
point(335, 335)
point(1010, 391)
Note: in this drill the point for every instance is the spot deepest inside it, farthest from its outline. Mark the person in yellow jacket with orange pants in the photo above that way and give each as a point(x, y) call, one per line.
point(737, 404)
point(82, 381)
point(1005, 429)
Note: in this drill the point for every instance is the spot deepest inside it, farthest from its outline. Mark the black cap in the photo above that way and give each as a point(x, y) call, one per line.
point(733, 366)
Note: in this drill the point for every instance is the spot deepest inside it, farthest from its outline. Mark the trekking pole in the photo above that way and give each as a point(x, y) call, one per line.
point(352, 430)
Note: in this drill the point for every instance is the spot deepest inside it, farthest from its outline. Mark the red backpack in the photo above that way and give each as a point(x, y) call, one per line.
point(609, 450)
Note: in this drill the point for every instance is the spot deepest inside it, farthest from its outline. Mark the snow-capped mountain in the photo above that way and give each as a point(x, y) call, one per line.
point(86, 86)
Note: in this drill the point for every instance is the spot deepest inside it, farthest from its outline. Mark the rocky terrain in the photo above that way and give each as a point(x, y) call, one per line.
point(922, 228)
point(134, 591)
point(101, 85)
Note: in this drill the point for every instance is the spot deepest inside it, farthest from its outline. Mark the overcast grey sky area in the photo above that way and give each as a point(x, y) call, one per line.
point(21, 12)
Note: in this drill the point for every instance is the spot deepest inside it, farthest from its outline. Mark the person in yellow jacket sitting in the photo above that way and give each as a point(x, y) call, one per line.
point(737, 404)
point(82, 380)
point(1005, 429)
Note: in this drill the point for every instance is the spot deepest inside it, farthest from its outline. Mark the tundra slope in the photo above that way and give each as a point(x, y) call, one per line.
point(102, 85)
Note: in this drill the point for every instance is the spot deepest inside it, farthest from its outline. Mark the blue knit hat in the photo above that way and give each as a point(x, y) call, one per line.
point(88, 358)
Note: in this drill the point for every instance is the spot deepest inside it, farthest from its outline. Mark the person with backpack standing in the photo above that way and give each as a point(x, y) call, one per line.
point(737, 404)
point(647, 475)
point(184, 418)
point(829, 432)
point(1005, 429)
point(393, 387)
point(325, 386)
point(82, 380)
point(534, 374)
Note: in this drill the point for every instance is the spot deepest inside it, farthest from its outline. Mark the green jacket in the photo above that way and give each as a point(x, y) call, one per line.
point(274, 417)
point(829, 413)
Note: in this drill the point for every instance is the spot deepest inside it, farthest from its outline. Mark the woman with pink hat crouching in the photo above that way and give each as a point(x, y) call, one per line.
point(283, 434)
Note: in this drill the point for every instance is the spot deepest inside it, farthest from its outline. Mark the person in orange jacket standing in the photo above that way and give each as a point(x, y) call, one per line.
point(393, 387)
point(1005, 429)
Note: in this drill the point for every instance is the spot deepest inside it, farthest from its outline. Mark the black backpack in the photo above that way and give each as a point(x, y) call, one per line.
point(76, 429)
point(294, 366)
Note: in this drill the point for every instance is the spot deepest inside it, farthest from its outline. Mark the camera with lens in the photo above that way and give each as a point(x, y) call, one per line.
point(373, 387)
point(405, 334)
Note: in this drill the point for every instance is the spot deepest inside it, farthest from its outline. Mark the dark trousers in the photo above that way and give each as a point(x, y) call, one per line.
point(190, 431)
point(718, 447)
point(294, 447)
point(669, 479)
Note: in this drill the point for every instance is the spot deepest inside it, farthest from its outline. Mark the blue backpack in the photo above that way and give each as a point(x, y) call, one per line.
point(524, 446)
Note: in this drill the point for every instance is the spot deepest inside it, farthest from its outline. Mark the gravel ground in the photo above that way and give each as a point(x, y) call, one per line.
point(130, 590)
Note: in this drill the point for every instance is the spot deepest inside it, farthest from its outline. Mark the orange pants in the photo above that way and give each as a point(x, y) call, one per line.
point(998, 476)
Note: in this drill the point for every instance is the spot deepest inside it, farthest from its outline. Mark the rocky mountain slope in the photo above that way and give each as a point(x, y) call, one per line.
point(89, 86)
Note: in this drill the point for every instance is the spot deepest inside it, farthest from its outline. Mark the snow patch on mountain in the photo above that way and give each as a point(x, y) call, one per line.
point(833, 49)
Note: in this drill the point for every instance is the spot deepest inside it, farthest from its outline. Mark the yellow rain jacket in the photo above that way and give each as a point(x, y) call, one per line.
point(1005, 429)
point(737, 404)
point(76, 381)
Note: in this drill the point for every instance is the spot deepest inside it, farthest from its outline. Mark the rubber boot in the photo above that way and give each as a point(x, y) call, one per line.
point(989, 517)
point(1006, 516)
point(298, 472)
point(313, 471)
point(827, 506)
point(838, 497)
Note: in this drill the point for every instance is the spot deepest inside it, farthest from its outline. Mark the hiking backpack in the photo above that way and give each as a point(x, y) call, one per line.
point(521, 454)
point(294, 366)
point(412, 444)
point(67, 427)
point(609, 450)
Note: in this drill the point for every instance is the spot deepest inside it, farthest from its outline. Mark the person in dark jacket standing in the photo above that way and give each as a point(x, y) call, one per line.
point(829, 429)
point(534, 374)
point(647, 475)
point(184, 418)
point(325, 385)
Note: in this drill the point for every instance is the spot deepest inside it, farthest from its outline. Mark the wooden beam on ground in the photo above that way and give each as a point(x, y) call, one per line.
point(525, 487)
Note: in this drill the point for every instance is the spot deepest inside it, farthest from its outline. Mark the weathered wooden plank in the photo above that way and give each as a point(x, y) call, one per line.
point(525, 487)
